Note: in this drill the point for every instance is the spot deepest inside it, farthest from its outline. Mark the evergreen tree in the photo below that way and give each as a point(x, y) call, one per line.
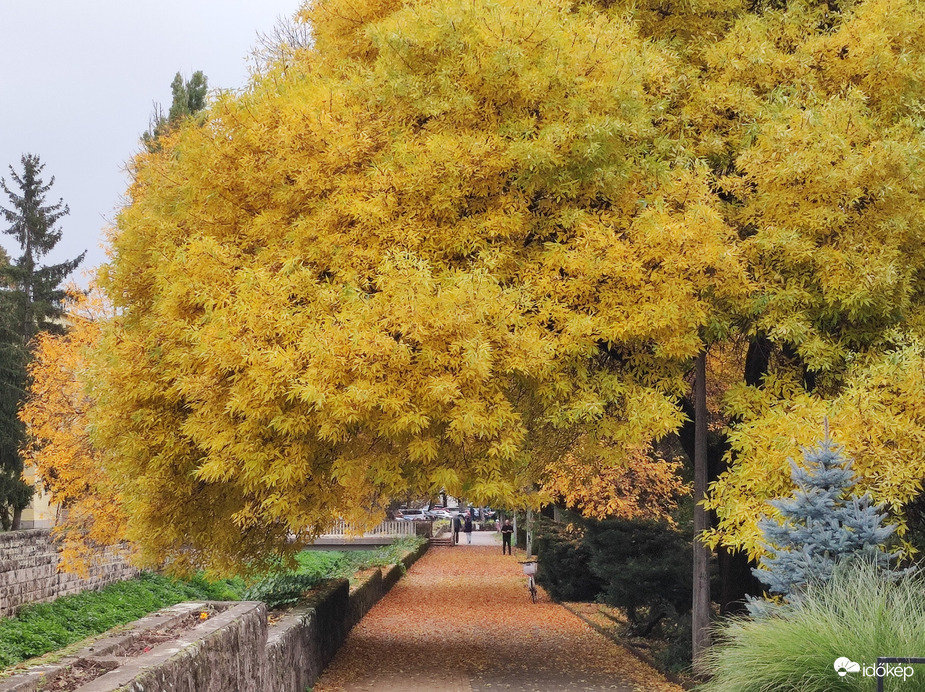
point(821, 524)
point(188, 98)
point(30, 301)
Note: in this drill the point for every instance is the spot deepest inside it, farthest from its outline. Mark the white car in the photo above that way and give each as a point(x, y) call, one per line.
point(405, 514)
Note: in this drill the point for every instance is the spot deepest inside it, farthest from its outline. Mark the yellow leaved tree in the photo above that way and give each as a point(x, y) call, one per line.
point(448, 243)
point(59, 447)
point(400, 258)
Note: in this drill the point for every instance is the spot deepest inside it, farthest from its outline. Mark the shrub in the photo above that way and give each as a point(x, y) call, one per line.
point(564, 569)
point(282, 589)
point(860, 613)
point(644, 567)
point(314, 566)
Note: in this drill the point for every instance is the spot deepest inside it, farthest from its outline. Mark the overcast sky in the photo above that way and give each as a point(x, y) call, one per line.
point(78, 83)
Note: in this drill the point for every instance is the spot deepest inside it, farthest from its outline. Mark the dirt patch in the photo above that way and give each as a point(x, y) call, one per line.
point(148, 639)
point(88, 669)
point(79, 674)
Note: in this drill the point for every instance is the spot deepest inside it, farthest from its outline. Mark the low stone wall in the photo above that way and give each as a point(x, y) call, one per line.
point(234, 651)
point(29, 570)
point(301, 644)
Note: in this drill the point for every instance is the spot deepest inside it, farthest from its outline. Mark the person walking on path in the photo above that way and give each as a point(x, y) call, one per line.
point(467, 527)
point(532, 646)
point(457, 524)
point(506, 531)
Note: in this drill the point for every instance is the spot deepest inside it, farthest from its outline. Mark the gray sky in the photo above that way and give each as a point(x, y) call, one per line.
point(79, 80)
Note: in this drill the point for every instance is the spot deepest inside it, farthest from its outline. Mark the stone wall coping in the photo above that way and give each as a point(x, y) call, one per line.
point(131, 668)
point(22, 535)
point(30, 680)
point(289, 631)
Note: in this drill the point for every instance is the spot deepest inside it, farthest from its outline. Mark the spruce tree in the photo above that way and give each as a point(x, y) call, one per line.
point(30, 301)
point(188, 97)
point(821, 524)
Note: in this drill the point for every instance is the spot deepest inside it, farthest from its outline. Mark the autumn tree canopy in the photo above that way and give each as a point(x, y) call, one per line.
point(450, 241)
point(71, 469)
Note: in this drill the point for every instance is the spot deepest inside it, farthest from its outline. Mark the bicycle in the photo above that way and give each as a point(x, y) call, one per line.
point(530, 571)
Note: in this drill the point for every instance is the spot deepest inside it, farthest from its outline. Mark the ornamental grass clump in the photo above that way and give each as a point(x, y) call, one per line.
point(860, 613)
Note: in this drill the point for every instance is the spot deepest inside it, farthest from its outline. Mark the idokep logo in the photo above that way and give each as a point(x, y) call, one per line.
point(845, 665)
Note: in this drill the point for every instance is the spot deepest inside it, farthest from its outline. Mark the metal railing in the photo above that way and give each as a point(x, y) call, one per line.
point(386, 528)
point(882, 670)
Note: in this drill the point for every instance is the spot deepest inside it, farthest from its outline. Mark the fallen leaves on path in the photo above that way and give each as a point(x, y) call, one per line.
point(461, 619)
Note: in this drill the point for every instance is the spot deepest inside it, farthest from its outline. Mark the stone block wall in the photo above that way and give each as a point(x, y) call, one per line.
point(235, 651)
point(29, 570)
point(224, 655)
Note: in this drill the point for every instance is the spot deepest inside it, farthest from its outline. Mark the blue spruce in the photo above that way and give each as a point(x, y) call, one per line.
point(821, 524)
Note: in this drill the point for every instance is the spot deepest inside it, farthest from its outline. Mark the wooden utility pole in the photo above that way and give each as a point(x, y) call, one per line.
point(701, 609)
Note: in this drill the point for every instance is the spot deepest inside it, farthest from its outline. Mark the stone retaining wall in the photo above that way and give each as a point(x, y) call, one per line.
point(235, 651)
point(29, 570)
point(301, 644)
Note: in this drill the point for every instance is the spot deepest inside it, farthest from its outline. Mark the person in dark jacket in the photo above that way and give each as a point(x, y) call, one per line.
point(457, 525)
point(506, 532)
point(467, 528)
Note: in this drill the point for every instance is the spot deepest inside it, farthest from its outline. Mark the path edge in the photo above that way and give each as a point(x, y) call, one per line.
point(635, 651)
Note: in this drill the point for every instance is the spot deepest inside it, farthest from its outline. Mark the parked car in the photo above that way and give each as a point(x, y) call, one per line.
point(439, 513)
point(405, 514)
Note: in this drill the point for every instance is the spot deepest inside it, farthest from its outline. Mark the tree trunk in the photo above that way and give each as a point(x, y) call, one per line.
point(17, 519)
point(529, 533)
point(701, 603)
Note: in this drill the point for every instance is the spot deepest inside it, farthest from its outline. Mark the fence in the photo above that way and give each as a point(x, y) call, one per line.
point(342, 529)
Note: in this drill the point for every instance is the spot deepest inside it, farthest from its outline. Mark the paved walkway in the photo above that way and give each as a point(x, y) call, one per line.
point(461, 621)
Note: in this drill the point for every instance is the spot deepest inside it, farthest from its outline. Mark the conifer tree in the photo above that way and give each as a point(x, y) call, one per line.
point(31, 302)
point(821, 523)
point(188, 97)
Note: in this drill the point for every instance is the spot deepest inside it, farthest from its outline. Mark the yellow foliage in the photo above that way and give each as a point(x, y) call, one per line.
point(879, 418)
point(55, 415)
point(384, 268)
point(641, 485)
point(449, 240)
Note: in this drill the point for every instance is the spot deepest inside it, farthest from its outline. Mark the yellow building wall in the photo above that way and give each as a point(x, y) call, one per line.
point(41, 513)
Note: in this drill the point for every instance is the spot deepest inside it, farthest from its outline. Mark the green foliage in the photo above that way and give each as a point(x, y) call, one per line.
point(13, 358)
point(644, 565)
point(857, 614)
point(564, 558)
point(44, 627)
point(32, 222)
point(188, 97)
point(314, 566)
point(282, 589)
point(30, 302)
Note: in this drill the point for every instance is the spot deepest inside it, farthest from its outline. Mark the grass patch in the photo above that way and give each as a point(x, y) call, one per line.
point(44, 627)
point(314, 566)
point(858, 614)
